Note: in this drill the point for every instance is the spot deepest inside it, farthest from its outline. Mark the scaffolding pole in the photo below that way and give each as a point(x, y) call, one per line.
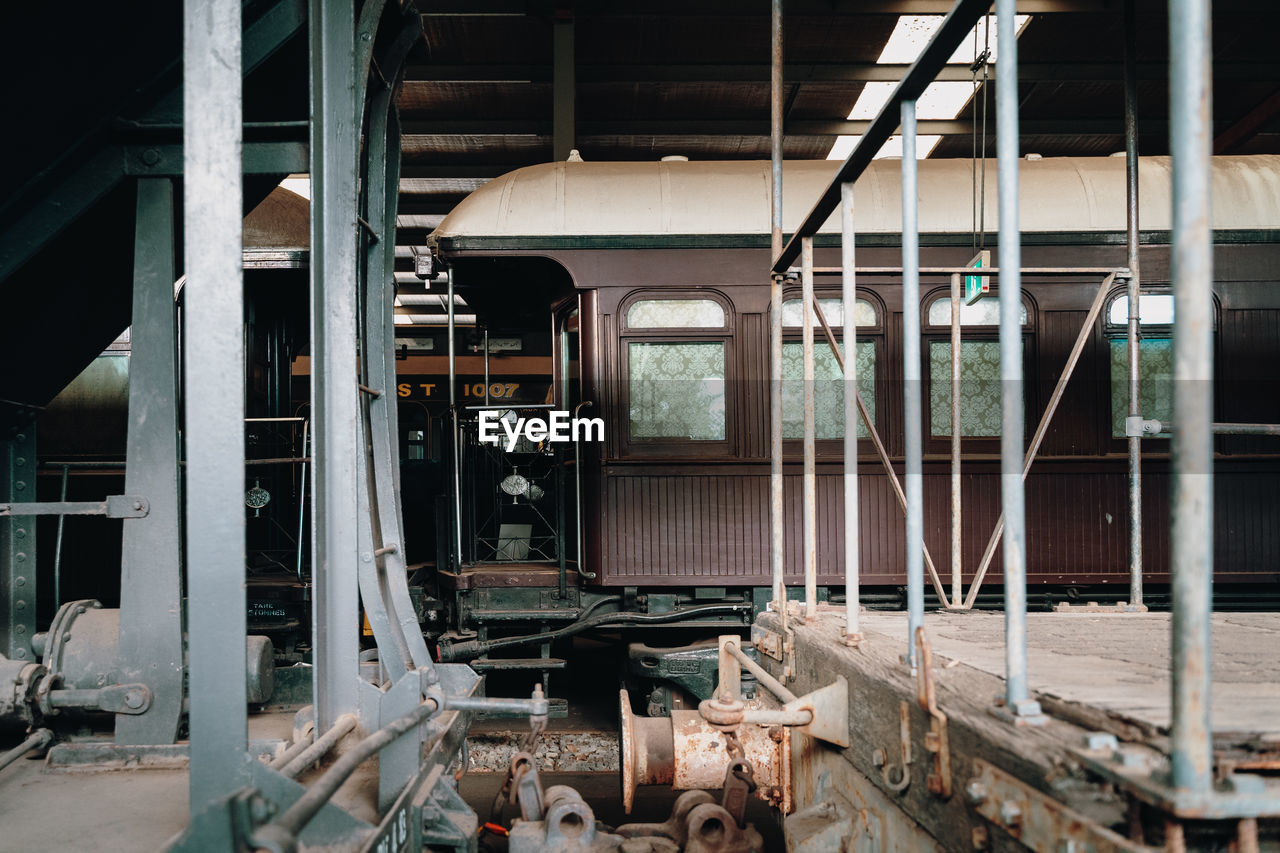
point(810, 445)
point(1191, 503)
point(1017, 697)
point(1135, 280)
point(849, 304)
point(777, 540)
point(912, 415)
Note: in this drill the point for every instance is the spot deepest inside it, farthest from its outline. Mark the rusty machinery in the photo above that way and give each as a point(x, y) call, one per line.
point(741, 747)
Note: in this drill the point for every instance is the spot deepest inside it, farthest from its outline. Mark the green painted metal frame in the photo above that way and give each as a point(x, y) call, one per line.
point(151, 649)
point(36, 214)
point(18, 546)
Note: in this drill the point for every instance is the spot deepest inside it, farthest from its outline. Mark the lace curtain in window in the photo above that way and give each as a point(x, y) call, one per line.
point(828, 389)
point(677, 390)
point(979, 388)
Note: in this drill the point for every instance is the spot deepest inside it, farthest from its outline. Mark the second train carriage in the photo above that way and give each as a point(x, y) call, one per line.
point(647, 282)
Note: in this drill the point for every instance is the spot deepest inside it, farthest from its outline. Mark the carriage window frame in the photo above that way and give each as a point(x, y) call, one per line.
point(661, 446)
point(1112, 332)
point(986, 333)
point(562, 381)
point(873, 334)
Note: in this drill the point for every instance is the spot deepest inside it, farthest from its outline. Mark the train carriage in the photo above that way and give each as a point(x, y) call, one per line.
point(655, 277)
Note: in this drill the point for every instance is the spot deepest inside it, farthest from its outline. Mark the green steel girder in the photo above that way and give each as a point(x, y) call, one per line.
point(18, 548)
point(55, 198)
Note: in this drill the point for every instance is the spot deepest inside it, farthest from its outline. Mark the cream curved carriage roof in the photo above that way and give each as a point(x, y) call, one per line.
point(1060, 194)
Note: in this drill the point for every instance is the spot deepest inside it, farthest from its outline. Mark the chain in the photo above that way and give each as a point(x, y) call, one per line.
point(734, 745)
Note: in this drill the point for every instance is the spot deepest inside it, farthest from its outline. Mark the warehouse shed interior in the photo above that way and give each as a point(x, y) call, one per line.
point(720, 427)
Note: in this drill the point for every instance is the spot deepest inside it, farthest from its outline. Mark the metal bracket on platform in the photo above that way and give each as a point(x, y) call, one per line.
point(1092, 607)
point(779, 646)
point(936, 740)
point(881, 759)
point(114, 506)
point(1039, 821)
point(1143, 772)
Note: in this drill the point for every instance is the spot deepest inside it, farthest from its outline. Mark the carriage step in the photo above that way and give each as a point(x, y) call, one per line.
point(489, 664)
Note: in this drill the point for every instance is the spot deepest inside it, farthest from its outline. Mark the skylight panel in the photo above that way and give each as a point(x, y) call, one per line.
point(940, 100)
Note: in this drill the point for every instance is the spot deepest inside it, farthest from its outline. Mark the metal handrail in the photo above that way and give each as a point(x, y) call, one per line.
point(577, 495)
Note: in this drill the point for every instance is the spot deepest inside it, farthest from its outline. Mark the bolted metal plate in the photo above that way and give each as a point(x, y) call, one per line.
point(1040, 822)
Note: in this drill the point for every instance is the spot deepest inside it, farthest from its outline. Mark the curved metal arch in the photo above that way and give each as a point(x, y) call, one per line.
point(382, 572)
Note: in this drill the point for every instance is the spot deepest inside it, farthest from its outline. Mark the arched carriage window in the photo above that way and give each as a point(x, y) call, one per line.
point(675, 314)
point(980, 405)
point(676, 353)
point(828, 389)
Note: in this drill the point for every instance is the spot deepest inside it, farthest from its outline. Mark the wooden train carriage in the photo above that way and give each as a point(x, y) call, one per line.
point(667, 266)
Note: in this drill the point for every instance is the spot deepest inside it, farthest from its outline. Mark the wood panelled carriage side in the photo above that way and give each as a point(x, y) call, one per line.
point(676, 497)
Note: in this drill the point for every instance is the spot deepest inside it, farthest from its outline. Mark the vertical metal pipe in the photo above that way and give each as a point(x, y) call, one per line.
point(214, 363)
point(849, 298)
point(1191, 538)
point(1011, 438)
point(57, 545)
point(777, 539)
point(912, 416)
point(563, 88)
point(302, 492)
point(457, 432)
point(955, 441)
point(334, 394)
point(810, 446)
point(1135, 280)
point(486, 366)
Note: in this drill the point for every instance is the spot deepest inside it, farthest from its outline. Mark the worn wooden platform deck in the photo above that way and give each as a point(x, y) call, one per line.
point(1093, 673)
point(1117, 664)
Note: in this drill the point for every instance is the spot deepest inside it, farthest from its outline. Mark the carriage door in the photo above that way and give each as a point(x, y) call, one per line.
point(568, 397)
